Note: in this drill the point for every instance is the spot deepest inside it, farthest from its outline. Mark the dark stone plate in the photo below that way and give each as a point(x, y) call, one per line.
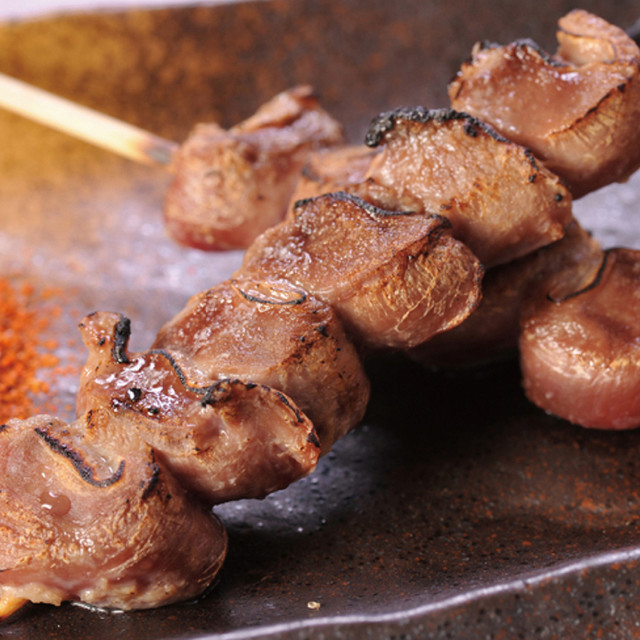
point(457, 510)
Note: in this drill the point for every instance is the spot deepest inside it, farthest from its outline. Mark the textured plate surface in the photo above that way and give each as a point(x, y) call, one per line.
point(457, 510)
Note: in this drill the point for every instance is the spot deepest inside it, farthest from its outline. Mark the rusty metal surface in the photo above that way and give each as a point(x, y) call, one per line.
point(457, 509)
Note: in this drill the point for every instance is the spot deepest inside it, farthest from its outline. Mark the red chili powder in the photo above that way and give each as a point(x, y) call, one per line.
point(23, 351)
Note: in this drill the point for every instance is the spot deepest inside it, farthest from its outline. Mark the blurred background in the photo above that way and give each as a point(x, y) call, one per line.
point(25, 8)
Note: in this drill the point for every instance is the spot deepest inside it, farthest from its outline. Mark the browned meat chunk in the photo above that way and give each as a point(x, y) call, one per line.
point(97, 517)
point(394, 278)
point(276, 334)
point(580, 347)
point(229, 186)
point(492, 331)
point(226, 440)
point(577, 110)
point(501, 202)
point(330, 170)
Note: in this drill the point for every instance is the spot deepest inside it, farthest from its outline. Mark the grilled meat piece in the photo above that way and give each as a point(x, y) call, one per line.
point(580, 347)
point(501, 202)
point(492, 331)
point(577, 110)
point(97, 517)
point(273, 333)
point(229, 186)
point(225, 440)
point(331, 170)
point(394, 278)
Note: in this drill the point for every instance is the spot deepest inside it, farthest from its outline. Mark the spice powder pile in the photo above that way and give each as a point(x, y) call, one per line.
point(23, 352)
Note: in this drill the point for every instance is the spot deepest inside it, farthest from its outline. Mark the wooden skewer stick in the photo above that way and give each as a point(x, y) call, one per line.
point(84, 123)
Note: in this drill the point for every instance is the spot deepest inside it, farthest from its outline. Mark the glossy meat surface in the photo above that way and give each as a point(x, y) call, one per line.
point(394, 278)
point(229, 186)
point(580, 347)
point(492, 331)
point(273, 333)
point(225, 440)
point(577, 110)
point(501, 203)
point(97, 517)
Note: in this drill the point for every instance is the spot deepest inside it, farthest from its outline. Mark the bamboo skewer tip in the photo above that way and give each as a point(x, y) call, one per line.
point(84, 123)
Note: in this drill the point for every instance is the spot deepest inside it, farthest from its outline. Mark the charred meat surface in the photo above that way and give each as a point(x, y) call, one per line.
point(394, 278)
point(580, 347)
point(501, 203)
point(97, 517)
point(229, 186)
point(273, 333)
point(226, 440)
point(577, 110)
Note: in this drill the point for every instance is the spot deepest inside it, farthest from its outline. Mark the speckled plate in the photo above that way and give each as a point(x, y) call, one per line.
point(457, 510)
